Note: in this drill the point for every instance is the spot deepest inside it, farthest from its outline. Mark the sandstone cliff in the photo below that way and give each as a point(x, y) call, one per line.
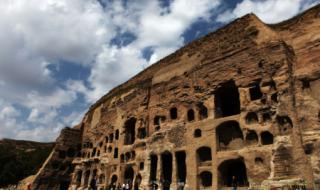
point(241, 102)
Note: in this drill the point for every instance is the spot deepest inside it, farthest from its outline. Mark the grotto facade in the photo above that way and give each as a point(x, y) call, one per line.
point(242, 101)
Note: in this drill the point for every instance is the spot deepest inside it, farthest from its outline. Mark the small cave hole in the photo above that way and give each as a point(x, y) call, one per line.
point(308, 149)
point(305, 84)
point(141, 165)
point(173, 113)
point(117, 134)
point(255, 92)
point(266, 138)
point(274, 97)
point(252, 118)
point(251, 138)
point(258, 160)
point(204, 154)
point(190, 115)
point(266, 117)
point(203, 111)
point(197, 133)
point(206, 179)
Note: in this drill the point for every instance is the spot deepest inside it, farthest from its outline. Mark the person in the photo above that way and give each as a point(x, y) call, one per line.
point(154, 185)
point(234, 183)
point(127, 186)
point(123, 186)
point(93, 184)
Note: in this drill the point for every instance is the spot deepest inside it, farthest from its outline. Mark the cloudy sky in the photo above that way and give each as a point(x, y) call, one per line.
point(59, 56)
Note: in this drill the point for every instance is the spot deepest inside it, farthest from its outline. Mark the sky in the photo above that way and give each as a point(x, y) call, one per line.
point(57, 57)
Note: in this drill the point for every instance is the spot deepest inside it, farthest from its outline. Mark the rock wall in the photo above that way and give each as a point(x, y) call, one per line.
point(57, 170)
point(239, 105)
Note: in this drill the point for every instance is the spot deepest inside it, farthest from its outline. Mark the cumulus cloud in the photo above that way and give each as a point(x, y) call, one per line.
point(153, 26)
point(34, 36)
point(271, 11)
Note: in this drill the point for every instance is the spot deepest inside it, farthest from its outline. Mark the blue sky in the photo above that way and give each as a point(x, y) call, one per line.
point(57, 57)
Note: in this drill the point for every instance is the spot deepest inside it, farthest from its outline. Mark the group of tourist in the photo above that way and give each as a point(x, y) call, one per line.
point(124, 186)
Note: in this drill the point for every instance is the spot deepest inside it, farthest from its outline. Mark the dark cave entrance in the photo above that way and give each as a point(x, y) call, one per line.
point(266, 138)
point(129, 126)
point(181, 167)
point(166, 162)
point(86, 178)
point(229, 136)
point(153, 168)
point(233, 168)
point(128, 175)
point(204, 154)
point(206, 179)
point(227, 100)
point(173, 113)
point(190, 115)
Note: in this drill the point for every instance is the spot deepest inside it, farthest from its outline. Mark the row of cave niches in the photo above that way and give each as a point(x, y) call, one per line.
point(229, 171)
point(63, 163)
point(227, 103)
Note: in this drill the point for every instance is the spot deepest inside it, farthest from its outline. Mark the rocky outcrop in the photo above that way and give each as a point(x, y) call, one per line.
point(239, 105)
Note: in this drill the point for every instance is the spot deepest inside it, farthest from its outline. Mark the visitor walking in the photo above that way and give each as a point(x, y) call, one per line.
point(127, 187)
point(234, 183)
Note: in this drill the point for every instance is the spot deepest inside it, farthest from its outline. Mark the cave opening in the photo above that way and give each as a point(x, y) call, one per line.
point(86, 178)
point(204, 154)
point(173, 113)
point(114, 179)
point(197, 133)
point(117, 134)
point(129, 131)
point(252, 138)
point(252, 118)
point(206, 179)
point(153, 167)
point(115, 153)
point(181, 167)
point(266, 138)
point(190, 115)
point(128, 175)
point(227, 101)
point(166, 163)
point(233, 171)
point(142, 133)
point(203, 111)
point(229, 136)
point(255, 92)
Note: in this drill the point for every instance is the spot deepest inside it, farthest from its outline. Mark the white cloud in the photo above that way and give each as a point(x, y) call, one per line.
point(160, 28)
point(34, 36)
point(271, 11)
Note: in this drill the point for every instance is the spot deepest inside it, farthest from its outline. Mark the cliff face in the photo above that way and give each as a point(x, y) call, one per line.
point(238, 105)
